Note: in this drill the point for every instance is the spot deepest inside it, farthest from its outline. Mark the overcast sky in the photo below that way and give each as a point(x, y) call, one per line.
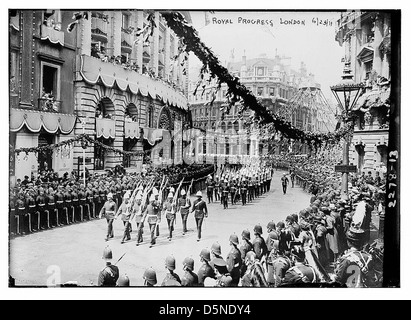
point(314, 44)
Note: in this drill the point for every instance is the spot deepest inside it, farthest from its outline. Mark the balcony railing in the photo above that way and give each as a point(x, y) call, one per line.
point(49, 105)
point(126, 42)
point(98, 28)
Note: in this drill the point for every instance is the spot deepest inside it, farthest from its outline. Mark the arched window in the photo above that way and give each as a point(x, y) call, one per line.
point(150, 116)
point(131, 113)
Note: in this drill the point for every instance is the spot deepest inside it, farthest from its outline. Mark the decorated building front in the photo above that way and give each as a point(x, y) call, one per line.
point(366, 37)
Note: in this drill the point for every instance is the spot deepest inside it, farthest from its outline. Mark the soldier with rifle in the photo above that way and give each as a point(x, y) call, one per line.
point(109, 275)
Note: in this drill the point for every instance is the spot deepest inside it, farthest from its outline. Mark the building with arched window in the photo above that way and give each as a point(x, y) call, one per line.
point(366, 37)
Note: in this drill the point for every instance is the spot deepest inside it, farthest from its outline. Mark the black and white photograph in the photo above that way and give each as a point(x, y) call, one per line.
point(204, 148)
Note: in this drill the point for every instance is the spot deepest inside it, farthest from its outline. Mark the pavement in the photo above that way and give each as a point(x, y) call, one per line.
point(74, 253)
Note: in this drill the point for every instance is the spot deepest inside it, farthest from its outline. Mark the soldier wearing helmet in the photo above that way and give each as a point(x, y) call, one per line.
point(234, 262)
point(189, 279)
point(123, 281)
point(259, 245)
point(300, 273)
point(169, 210)
point(41, 205)
point(200, 212)
point(205, 271)
point(171, 277)
point(138, 216)
point(109, 275)
point(109, 210)
point(246, 246)
point(150, 277)
point(254, 275)
point(183, 206)
point(216, 250)
point(225, 193)
point(243, 191)
point(126, 217)
point(151, 214)
point(280, 264)
point(210, 188)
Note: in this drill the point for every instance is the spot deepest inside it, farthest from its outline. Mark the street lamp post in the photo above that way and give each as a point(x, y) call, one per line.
point(346, 93)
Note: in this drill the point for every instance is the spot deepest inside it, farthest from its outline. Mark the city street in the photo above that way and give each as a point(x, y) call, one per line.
point(75, 251)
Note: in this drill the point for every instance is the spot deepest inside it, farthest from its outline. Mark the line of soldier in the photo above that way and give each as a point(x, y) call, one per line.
point(245, 184)
point(34, 207)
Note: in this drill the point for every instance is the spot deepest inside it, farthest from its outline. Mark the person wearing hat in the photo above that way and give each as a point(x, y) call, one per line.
point(320, 232)
point(109, 210)
point(254, 274)
point(123, 281)
point(222, 276)
point(109, 275)
point(169, 209)
point(200, 212)
point(158, 205)
point(205, 271)
point(42, 213)
point(171, 277)
point(300, 273)
point(210, 188)
point(259, 245)
point(183, 206)
point(126, 216)
point(246, 246)
point(284, 183)
point(353, 267)
point(243, 191)
point(138, 216)
point(75, 203)
point(68, 208)
point(151, 214)
point(234, 262)
point(189, 279)
point(225, 193)
point(233, 191)
point(150, 277)
point(23, 221)
point(278, 266)
point(216, 188)
point(90, 201)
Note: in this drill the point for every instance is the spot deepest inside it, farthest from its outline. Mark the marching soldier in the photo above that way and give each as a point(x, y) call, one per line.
point(109, 275)
point(243, 191)
point(233, 191)
point(259, 245)
point(216, 187)
point(138, 216)
point(126, 216)
point(353, 267)
point(225, 192)
point(183, 205)
point(171, 276)
point(189, 279)
point(250, 189)
point(210, 188)
point(159, 200)
point(150, 277)
point(151, 213)
point(109, 210)
point(201, 212)
point(234, 262)
point(284, 183)
point(169, 209)
point(205, 271)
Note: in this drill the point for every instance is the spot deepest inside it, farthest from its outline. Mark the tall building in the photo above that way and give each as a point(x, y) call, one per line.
point(103, 79)
point(366, 37)
point(274, 83)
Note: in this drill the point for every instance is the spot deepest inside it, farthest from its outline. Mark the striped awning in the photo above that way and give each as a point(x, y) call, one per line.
point(36, 120)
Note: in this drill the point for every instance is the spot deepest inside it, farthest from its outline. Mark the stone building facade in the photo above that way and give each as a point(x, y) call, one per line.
point(366, 37)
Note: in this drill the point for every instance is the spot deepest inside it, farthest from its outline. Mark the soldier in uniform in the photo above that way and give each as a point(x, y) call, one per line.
point(243, 191)
point(233, 191)
point(22, 213)
point(234, 262)
point(259, 245)
point(216, 186)
point(300, 273)
point(68, 207)
point(97, 203)
point(109, 210)
point(123, 281)
point(280, 264)
point(225, 192)
point(189, 279)
point(51, 207)
point(150, 277)
point(151, 213)
point(169, 209)
point(245, 247)
point(223, 277)
point(254, 274)
point(138, 216)
point(126, 216)
point(159, 201)
point(205, 271)
point(284, 183)
point(171, 276)
point(250, 190)
point(31, 210)
point(41, 205)
point(109, 275)
point(201, 212)
point(13, 217)
point(75, 203)
point(210, 188)
point(183, 206)
point(353, 268)
point(90, 201)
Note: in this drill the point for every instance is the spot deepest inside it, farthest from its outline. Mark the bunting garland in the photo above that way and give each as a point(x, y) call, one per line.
point(238, 93)
point(85, 141)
